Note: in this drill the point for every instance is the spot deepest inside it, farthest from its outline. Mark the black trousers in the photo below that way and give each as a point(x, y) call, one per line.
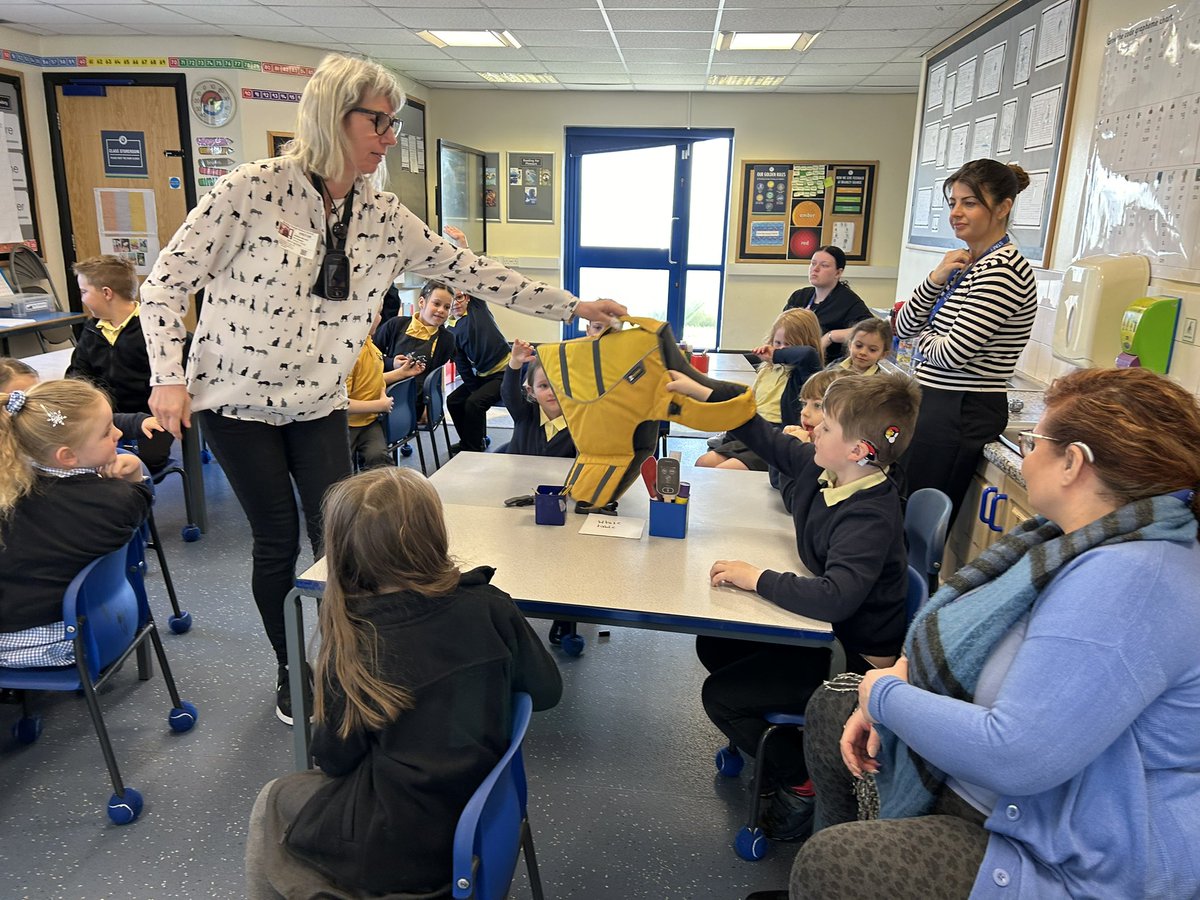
point(952, 428)
point(752, 678)
point(267, 466)
point(468, 406)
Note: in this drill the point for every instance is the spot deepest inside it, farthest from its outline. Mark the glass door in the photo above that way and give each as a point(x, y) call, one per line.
point(646, 218)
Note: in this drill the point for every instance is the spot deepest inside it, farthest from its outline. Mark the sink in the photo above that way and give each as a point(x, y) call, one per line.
point(1008, 437)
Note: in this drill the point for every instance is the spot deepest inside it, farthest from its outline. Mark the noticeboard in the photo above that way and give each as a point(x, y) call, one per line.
point(18, 213)
point(791, 208)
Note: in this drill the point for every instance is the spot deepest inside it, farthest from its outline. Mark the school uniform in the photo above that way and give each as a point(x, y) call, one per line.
point(841, 309)
point(480, 357)
point(409, 336)
point(533, 433)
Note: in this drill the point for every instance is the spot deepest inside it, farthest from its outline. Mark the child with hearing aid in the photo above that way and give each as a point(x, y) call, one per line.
point(850, 543)
point(60, 477)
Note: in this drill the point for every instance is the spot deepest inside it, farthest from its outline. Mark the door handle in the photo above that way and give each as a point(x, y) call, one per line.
point(671, 242)
point(173, 154)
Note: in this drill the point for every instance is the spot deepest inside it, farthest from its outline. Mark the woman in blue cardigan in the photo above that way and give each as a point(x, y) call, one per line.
point(1038, 737)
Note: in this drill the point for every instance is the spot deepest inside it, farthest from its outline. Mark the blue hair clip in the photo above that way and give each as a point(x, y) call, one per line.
point(16, 400)
point(1185, 496)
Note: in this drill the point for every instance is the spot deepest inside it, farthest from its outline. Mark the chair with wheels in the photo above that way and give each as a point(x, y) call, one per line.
point(494, 826)
point(108, 619)
point(435, 414)
point(29, 275)
point(926, 522)
point(751, 843)
point(400, 425)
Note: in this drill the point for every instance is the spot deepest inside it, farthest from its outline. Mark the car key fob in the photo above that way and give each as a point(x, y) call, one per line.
point(522, 500)
point(668, 478)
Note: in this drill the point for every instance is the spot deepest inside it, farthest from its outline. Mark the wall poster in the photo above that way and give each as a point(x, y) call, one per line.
point(530, 187)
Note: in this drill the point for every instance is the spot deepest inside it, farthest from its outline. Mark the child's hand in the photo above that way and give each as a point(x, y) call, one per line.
point(408, 367)
point(736, 573)
point(682, 384)
point(522, 352)
point(384, 403)
point(125, 466)
point(766, 351)
point(799, 432)
point(455, 235)
point(151, 425)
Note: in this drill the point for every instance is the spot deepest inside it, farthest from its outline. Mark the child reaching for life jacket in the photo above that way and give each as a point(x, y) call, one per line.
point(539, 428)
point(66, 498)
point(791, 354)
point(414, 680)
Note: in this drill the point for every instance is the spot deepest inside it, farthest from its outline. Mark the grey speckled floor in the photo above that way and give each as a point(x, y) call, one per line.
point(624, 801)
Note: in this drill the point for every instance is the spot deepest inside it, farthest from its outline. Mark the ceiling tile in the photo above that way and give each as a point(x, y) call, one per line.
point(518, 20)
point(663, 20)
point(889, 81)
point(606, 53)
point(652, 68)
point(565, 39)
point(799, 19)
point(237, 15)
point(666, 40)
point(570, 78)
point(901, 70)
point(498, 54)
point(834, 38)
point(355, 34)
point(610, 5)
point(584, 68)
point(427, 17)
point(693, 57)
point(291, 34)
point(830, 80)
point(362, 16)
point(906, 17)
point(45, 14)
point(824, 56)
point(857, 70)
point(396, 51)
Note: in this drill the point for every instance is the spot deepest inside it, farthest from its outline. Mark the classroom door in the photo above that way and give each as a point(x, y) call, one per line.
point(645, 223)
point(124, 188)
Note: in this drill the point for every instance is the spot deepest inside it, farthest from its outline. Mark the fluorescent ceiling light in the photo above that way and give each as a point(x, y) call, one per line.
point(441, 38)
point(766, 40)
point(517, 78)
point(745, 80)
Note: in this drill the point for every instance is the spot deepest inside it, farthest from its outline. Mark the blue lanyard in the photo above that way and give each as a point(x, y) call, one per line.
point(954, 280)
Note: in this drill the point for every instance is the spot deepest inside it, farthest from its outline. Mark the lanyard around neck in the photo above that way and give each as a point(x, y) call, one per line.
point(331, 239)
point(953, 282)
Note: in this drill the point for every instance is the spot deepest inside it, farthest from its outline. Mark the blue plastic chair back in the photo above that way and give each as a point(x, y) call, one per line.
point(401, 423)
point(487, 842)
point(103, 599)
point(926, 522)
point(918, 593)
point(435, 398)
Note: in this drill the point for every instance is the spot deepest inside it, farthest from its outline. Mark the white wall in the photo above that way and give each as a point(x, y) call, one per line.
point(1102, 18)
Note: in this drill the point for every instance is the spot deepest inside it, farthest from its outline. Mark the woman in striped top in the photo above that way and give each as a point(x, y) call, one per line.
point(969, 322)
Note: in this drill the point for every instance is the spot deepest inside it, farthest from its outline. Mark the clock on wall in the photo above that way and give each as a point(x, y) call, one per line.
point(212, 102)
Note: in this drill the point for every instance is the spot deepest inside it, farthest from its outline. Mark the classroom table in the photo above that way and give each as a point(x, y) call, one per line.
point(654, 582)
point(54, 365)
point(38, 322)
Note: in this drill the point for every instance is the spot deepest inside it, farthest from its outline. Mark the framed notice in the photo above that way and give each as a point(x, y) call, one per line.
point(18, 214)
point(530, 187)
point(276, 141)
point(791, 208)
point(1012, 81)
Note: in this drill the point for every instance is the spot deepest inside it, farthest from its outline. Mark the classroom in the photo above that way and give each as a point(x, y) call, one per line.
point(625, 150)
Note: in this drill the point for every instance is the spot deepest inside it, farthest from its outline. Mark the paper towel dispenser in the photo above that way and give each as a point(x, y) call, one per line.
point(1095, 292)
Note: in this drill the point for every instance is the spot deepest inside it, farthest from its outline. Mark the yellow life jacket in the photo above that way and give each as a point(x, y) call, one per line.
point(612, 390)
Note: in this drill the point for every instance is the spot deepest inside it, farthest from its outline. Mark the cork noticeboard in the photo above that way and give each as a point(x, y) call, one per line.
point(790, 208)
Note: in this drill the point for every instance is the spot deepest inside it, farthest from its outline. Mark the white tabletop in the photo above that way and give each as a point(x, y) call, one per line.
point(50, 365)
point(729, 364)
point(655, 582)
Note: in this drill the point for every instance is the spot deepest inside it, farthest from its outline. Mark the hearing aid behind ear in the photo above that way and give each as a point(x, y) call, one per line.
point(869, 456)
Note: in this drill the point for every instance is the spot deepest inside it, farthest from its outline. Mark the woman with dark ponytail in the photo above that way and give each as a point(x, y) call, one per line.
point(968, 321)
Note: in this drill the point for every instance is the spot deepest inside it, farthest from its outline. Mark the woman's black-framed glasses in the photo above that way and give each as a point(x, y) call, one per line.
point(1027, 440)
point(382, 120)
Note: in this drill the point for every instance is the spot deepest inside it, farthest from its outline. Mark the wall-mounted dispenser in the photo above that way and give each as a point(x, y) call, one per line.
point(1148, 333)
point(1095, 292)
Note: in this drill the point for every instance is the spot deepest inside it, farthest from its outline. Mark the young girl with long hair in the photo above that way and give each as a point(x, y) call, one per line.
point(414, 679)
point(791, 353)
point(66, 498)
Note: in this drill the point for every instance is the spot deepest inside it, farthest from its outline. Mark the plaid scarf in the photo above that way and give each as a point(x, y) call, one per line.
point(954, 633)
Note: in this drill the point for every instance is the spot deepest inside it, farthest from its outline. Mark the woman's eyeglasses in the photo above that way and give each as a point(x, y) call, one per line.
point(382, 120)
point(1027, 440)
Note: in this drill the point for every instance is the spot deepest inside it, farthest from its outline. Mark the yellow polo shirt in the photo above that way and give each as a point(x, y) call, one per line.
point(365, 381)
point(110, 331)
point(833, 494)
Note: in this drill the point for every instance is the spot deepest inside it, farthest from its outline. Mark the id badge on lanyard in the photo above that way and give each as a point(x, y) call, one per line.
point(953, 282)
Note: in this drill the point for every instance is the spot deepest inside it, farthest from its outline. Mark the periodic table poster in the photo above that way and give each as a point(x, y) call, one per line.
point(791, 208)
point(1143, 192)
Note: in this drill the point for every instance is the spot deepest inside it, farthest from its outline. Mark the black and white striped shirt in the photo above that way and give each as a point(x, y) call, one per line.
point(975, 339)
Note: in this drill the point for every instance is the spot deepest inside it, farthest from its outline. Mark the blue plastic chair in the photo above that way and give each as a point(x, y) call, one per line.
point(400, 425)
point(108, 618)
point(435, 414)
point(926, 522)
point(750, 843)
point(494, 826)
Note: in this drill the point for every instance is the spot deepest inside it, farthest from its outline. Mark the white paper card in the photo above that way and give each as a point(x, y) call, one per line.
point(613, 526)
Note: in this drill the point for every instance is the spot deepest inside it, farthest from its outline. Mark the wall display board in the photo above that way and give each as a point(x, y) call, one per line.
point(1003, 91)
point(18, 218)
point(491, 187)
point(1143, 187)
point(406, 161)
point(530, 187)
point(791, 208)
